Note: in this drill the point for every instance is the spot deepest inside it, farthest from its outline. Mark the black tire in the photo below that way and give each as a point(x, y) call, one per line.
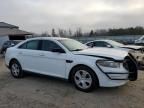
point(20, 73)
point(94, 80)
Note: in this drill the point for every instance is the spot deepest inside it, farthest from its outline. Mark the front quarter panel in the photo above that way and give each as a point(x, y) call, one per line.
point(90, 61)
point(81, 60)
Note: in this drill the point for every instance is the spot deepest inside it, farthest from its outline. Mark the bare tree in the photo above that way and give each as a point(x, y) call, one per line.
point(91, 33)
point(61, 32)
point(70, 33)
point(78, 32)
point(53, 33)
point(45, 34)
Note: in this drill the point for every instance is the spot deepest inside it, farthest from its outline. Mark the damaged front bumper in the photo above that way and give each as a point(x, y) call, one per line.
point(139, 57)
point(130, 65)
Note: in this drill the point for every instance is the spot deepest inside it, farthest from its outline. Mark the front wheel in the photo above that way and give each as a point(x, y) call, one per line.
point(84, 79)
point(16, 69)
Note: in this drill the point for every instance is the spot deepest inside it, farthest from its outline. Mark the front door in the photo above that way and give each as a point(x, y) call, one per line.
point(52, 63)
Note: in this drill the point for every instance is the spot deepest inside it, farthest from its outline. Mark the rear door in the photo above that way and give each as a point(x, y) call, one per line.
point(28, 55)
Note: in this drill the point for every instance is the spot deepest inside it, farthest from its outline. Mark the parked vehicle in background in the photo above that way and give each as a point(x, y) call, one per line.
point(140, 41)
point(87, 68)
point(8, 44)
point(136, 51)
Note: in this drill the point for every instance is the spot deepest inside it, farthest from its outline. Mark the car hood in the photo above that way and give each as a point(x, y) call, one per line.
point(116, 54)
point(134, 47)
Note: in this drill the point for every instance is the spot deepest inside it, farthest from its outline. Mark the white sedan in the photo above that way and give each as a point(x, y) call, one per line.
point(87, 68)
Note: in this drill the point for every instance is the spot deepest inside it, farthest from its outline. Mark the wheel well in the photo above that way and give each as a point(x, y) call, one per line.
point(13, 59)
point(69, 77)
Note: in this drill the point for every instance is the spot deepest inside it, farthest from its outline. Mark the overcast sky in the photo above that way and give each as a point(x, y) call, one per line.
point(43, 15)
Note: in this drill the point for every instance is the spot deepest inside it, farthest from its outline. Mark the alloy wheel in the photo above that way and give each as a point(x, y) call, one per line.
point(83, 79)
point(15, 69)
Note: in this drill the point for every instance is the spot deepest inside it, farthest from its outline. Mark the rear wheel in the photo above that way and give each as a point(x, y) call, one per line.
point(16, 69)
point(84, 79)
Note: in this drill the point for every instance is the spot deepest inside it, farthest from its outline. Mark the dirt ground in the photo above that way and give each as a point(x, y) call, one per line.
point(35, 91)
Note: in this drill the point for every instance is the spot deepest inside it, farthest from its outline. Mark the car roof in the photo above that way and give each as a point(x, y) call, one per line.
point(48, 38)
point(107, 40)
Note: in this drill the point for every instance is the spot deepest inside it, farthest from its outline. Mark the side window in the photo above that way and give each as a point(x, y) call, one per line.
point(98, 44)
point(101, 44)
point(107, 45)
point(49, 45)
point(33, 45)
point(23, 46)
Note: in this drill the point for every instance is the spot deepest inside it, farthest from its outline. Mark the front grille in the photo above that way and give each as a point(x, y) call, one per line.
point(130, 65)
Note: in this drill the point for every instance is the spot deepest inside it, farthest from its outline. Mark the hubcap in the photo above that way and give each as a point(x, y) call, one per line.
point(15, 69)
point(83, 79)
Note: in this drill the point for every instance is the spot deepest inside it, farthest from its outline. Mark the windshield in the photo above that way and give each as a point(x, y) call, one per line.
point(114, 43)
point(73, 45)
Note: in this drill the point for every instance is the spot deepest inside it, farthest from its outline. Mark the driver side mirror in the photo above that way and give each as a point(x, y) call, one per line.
point(58, 50)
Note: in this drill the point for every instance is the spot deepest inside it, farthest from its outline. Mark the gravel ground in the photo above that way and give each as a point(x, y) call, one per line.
point(35, 91)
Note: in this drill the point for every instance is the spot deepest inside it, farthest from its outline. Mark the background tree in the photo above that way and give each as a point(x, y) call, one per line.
point(61, 33)
point(53, 33)
point(70, 33)
point(91, 33)
point(78, 33)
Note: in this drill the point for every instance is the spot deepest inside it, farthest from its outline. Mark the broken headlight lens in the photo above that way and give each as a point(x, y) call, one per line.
point(110, 64)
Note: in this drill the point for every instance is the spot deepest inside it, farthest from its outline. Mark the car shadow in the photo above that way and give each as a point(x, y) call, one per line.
point(68, 85)
point(46, 78)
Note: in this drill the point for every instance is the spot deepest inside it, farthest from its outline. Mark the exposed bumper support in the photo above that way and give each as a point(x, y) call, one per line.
point(131, 75)
point(122, 76)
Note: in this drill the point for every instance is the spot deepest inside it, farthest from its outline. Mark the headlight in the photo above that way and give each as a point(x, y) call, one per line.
point(110, 64)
